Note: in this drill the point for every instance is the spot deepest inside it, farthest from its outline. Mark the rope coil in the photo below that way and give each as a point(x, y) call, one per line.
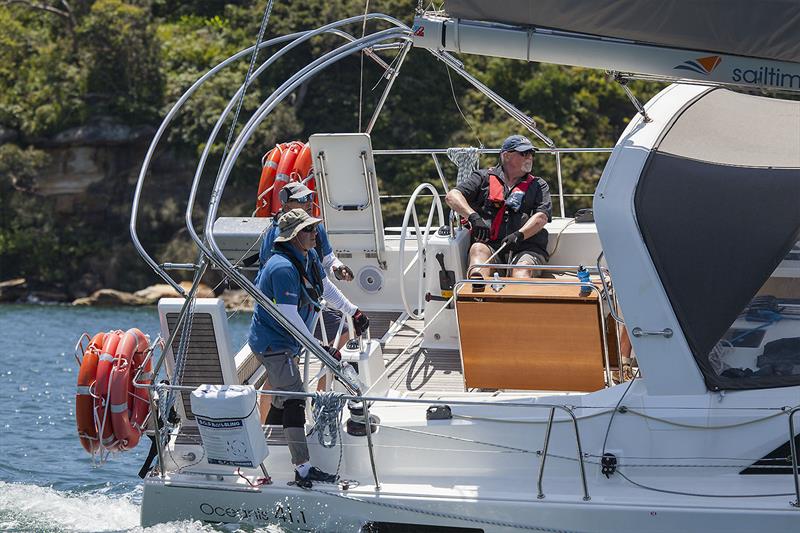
point(466, 159)
point(327, 409)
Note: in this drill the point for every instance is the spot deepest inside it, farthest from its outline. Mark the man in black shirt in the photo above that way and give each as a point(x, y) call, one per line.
point(508, 205)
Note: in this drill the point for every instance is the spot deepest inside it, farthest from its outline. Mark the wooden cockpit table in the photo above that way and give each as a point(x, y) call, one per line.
point(532, 337)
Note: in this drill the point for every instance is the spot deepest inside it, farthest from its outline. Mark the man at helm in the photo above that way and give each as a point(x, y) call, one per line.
point(507, 205)
point(292, 278)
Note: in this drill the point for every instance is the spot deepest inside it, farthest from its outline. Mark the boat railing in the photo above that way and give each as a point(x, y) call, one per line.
point(209, 251)
point(367, 400)
point(435, 153)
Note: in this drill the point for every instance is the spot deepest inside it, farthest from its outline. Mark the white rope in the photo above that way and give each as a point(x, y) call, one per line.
point(327, 411)
point(466, 159)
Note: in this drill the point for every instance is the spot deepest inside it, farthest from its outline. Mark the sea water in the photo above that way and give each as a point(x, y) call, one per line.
point(48, 483)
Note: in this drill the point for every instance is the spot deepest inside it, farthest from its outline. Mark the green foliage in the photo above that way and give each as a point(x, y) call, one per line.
point(28, 234)
point(40, 83)
point(121, 54)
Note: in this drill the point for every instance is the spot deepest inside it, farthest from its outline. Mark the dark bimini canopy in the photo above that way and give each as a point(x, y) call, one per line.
point(718, 206)
point(765, 29)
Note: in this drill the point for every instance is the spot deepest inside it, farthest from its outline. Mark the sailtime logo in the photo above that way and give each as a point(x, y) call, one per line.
point(701, 65)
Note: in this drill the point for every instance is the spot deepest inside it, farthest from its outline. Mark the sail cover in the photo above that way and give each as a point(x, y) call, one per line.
point(766, 29)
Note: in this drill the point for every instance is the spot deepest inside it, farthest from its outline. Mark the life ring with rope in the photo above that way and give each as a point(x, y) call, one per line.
point(129, 405)
point(269, 168)
point(101, 391)
point(84, 403)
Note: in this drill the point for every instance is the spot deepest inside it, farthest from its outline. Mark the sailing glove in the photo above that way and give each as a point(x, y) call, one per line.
point(360, 322)
point(480, 229)
point(334, 352)
point(343, 273)
point(514, 239)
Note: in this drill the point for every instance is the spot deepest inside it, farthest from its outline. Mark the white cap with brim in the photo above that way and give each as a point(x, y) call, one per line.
point(290, 224)
point(296, 190)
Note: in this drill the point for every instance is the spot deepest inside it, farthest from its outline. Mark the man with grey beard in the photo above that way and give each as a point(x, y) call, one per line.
point(507, 205)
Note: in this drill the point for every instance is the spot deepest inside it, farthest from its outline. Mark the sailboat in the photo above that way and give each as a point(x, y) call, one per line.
point(509, 408)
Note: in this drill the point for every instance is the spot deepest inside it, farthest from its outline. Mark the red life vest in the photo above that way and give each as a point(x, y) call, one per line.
point(498, 200)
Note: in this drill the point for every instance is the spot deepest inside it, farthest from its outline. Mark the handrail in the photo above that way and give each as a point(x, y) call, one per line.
point(556, 152)
point(540, 493)
point(419, 258)
point(371, 399)
point(558, 268)
point(443, 151)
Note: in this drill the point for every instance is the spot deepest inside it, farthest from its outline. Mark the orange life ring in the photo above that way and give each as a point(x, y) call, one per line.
point(269, 168)
point(101, 389)
point(128, 405)
point(302, 165)
point(84, 403)
point(285, 168)
point(304, 172)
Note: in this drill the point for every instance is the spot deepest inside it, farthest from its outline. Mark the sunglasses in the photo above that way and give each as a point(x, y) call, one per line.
point(309, 229)
point(304, 200)
point(527, 153)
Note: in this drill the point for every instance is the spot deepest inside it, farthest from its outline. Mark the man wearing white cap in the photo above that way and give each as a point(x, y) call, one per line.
point(506, 205)
point(293, 279)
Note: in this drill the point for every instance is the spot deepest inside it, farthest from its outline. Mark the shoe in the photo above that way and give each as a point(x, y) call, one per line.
point(314, 474)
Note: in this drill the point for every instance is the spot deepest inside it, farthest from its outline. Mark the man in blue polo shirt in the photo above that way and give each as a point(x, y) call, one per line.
point(293, 279)
point(295, 195)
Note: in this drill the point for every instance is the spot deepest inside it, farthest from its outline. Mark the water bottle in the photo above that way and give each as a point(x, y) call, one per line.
point(498, 284)
point(351, 374)
point(583, 277)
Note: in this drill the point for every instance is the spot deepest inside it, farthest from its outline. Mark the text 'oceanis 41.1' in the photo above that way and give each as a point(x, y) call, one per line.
point(509, 404)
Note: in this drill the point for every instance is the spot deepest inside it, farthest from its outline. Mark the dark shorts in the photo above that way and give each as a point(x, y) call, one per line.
point(331, 319)
point(522, 257)
point(282, 372)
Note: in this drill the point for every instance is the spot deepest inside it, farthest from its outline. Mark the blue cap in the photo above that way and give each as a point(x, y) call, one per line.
point(517, 143)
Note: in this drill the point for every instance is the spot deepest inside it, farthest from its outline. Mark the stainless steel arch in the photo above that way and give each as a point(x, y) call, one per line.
point(213, 249)
point(328, 28)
